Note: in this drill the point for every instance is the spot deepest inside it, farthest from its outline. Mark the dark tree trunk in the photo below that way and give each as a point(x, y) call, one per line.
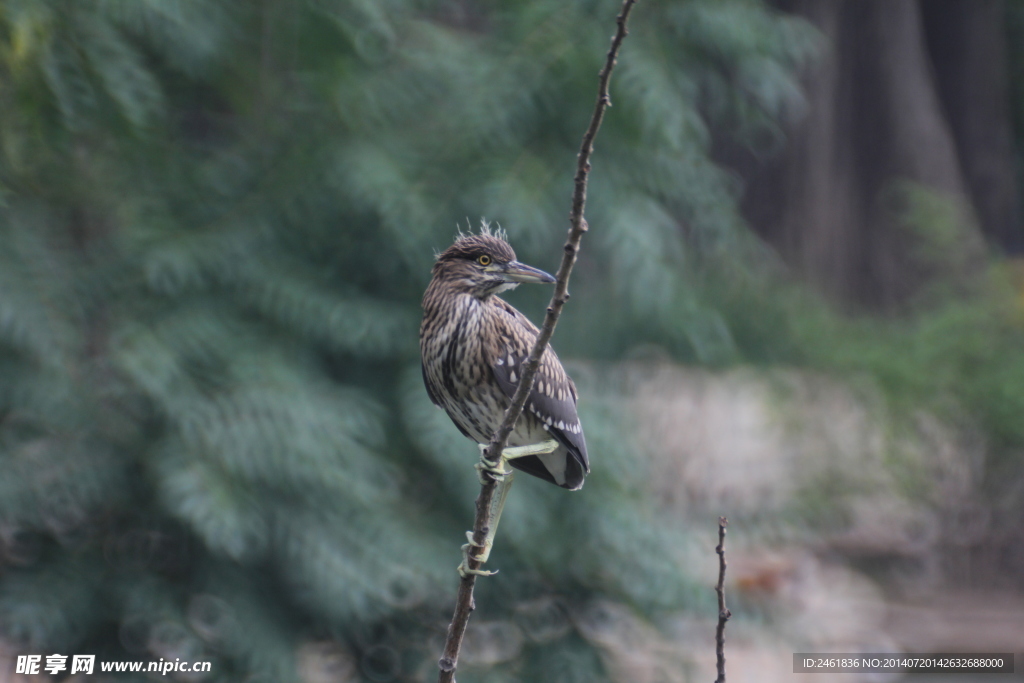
point(967, 45)
point(883, 119)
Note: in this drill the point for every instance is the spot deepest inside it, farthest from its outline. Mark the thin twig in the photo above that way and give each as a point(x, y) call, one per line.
point(464, 604)
point(723, 611)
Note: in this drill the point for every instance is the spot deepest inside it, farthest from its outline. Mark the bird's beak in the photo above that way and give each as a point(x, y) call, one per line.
point(514, 271)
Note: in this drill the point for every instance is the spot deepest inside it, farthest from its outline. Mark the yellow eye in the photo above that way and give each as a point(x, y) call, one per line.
point(484, 260)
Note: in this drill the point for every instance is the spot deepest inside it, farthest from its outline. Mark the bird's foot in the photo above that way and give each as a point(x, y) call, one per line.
point(489, 469)
point(464, 568)
point(485, 470)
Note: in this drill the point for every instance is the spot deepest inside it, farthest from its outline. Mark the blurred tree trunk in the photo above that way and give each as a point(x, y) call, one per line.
point(967, 43)
point(899, 95)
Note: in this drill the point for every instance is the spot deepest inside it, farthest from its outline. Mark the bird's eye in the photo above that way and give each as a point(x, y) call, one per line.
point(484, 260)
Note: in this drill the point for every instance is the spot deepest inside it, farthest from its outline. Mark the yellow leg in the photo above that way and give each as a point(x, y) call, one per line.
point(504, 484)
point(542, 448)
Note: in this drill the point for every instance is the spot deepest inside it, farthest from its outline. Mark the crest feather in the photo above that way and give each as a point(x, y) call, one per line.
point(485, 231)
point(492, 241)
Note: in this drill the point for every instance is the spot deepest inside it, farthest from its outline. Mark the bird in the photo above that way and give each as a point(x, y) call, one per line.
point(473, 345)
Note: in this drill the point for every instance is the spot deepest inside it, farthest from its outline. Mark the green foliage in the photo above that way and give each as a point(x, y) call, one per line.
point(217, 219)
point(957, 353)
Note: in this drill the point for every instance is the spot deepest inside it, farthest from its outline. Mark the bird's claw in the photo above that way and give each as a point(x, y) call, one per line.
point(464, 571)
point(464, 568)
point(496, 470)
point(486, 469)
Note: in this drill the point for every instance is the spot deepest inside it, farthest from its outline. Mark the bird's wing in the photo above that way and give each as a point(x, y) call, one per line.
point(553, 397)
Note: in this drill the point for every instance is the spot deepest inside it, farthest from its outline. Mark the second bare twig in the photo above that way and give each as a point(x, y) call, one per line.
point(723, 611)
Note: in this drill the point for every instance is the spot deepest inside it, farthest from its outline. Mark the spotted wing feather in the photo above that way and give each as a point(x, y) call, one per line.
point(553, 398)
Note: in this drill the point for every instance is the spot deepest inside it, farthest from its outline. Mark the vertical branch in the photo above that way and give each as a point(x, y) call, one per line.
point(464, 604)
point(723, 611)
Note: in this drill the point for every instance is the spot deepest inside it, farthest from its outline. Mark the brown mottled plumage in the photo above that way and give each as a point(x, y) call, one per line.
point(473, 345)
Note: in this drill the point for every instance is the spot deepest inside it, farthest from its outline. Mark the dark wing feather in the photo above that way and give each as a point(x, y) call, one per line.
point(553, 397)
point(533, 465)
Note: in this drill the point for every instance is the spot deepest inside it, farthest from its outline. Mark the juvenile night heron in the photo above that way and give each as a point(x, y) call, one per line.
point(473, 345)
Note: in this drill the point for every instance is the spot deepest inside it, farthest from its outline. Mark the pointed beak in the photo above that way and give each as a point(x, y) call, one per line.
point(514, 271)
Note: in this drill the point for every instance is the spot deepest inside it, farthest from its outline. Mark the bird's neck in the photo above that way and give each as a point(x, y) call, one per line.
point(442, 301)
point(441, 294)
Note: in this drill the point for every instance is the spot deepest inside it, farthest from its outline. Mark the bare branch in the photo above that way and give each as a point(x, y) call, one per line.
point(577, 226)
point(723, 611)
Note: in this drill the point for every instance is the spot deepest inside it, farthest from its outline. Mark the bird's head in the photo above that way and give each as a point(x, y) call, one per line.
point(483, 265)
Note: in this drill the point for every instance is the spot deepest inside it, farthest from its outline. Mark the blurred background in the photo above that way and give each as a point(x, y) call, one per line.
point(800, 305)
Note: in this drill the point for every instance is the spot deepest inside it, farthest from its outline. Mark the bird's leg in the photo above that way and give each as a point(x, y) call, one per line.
point(503, 479)
point(497, 469)
point(483, 550)
point(542, 448)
